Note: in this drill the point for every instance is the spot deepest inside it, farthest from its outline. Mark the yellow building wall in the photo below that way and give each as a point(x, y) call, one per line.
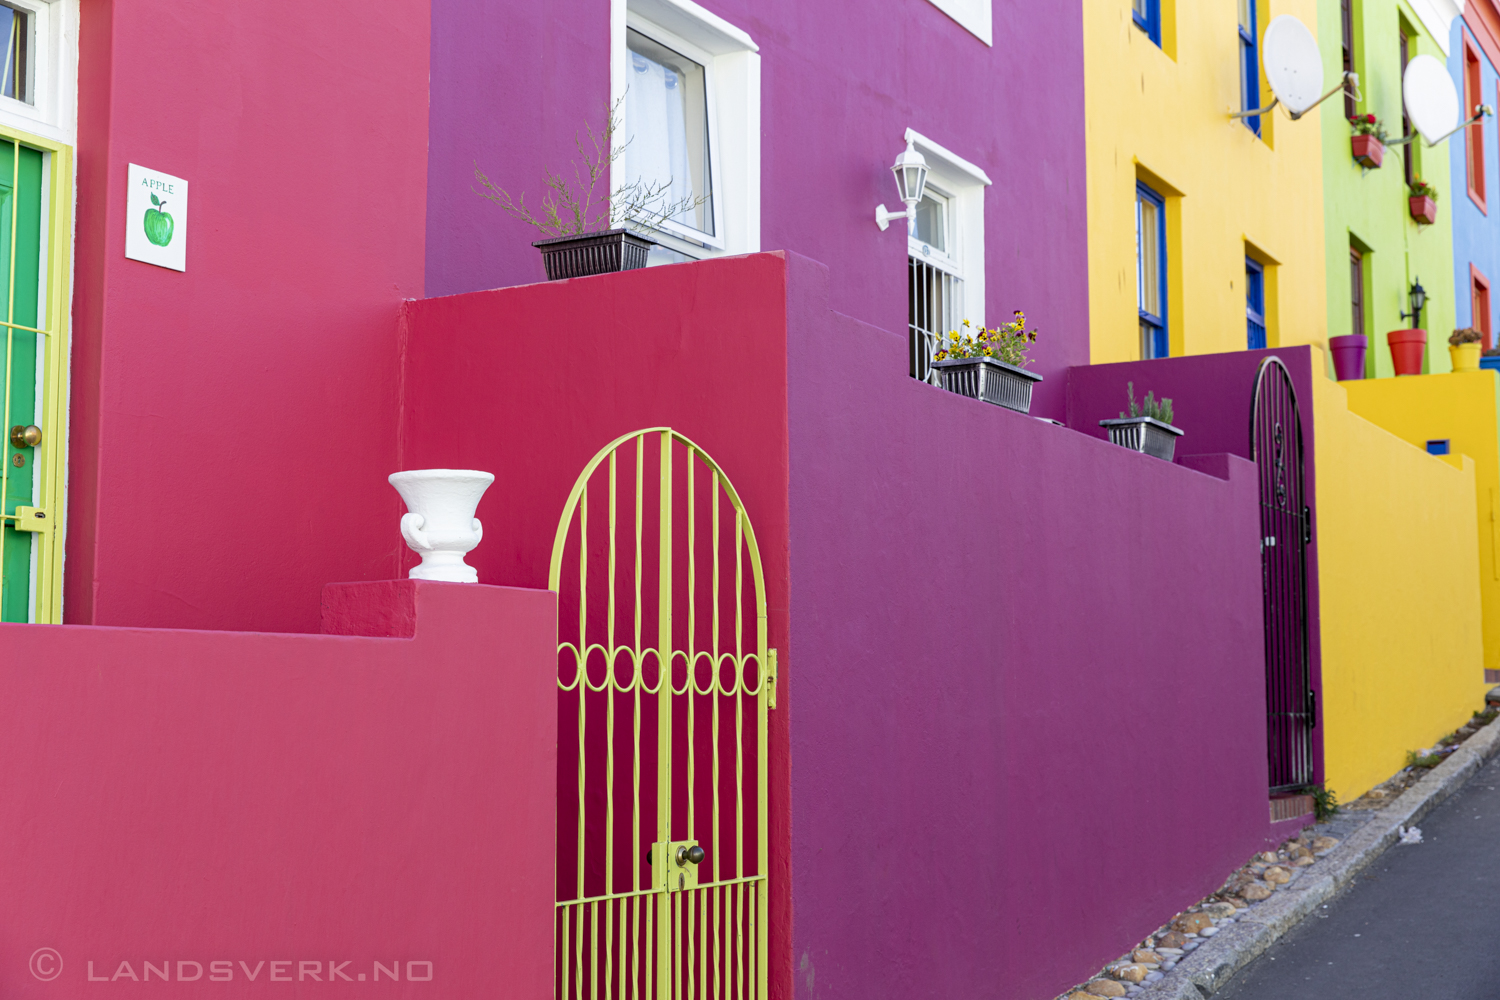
point(1464, 408)
point(1162, 115)
point(1399, 594)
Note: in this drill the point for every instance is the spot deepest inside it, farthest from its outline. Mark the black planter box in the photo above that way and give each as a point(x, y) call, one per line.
point(990, 380)
point(593, 253)
point(1144, 434)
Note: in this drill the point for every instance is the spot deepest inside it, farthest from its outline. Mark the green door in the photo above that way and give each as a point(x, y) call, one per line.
point(21, 173)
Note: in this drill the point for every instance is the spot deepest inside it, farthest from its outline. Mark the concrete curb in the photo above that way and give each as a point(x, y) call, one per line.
point(1212, 963)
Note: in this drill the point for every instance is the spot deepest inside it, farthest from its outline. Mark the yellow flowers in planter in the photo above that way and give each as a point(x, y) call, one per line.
point(1008, 343)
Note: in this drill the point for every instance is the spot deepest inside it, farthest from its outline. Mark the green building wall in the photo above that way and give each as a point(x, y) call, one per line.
point(1368, 209)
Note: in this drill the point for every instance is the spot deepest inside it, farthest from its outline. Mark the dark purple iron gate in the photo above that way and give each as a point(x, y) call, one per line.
point(1285, 531)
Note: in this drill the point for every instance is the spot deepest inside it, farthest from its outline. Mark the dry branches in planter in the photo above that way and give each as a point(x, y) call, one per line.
point(584, 203)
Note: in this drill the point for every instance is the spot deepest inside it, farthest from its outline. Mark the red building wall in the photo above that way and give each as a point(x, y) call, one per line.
point(195, 797)
point(232, 425)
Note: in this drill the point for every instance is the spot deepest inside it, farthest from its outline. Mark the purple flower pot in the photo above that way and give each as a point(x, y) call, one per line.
point(1349, 355)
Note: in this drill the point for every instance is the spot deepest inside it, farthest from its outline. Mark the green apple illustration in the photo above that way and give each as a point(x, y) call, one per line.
point(158, 223)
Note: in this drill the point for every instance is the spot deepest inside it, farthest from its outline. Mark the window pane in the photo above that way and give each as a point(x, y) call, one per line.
point(1245, 15)
point(1255, 306)
point(666, 118)
point(1148, 255)
point(1142, 9)
point(931, 224)
point(16, 26)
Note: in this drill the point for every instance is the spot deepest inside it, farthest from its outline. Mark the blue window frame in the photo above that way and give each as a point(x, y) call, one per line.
point(1249, 65)
point(1147, 14)
point(1255, 305)
point(1151, 270)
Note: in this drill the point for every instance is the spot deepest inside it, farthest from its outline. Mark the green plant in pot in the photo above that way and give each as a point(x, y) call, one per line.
point(1422, 202)
point(1368, 141)
point(1148, 429)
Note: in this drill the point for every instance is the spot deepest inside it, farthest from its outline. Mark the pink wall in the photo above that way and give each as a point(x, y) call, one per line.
point(838, 93)
point(232, 425)
point(206, 796)
point(993, 630)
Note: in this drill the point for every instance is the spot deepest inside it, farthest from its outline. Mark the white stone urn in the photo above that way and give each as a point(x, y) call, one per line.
point(440, 524)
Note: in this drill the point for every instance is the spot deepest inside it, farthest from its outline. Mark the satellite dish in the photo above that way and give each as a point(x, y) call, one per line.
point(1431, 99)
point(1294, 66)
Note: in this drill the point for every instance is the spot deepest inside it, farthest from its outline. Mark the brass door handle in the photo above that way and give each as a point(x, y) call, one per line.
point(690, 855)
point(28, 436)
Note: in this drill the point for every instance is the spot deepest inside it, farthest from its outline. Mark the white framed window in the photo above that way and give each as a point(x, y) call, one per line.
point(934, 282)
point(687, 85)
point(945, 252)
point(39, 70)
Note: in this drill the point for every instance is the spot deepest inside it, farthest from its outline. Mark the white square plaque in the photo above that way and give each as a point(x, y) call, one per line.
point(156, 230)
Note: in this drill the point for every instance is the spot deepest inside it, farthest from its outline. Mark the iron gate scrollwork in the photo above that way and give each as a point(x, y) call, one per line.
point(1285, 531)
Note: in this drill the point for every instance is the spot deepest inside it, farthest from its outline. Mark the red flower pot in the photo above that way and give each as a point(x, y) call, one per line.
point(1424, 210)
point(1348, 355)
point(1407, 348)
point(1367, 150)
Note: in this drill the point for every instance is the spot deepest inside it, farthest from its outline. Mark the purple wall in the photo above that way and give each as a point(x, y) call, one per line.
point(511, 85)
point(1211, 398)
point(1027, 663)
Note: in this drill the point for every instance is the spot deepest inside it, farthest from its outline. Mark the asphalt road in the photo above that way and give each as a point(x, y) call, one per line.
point(1420, 923)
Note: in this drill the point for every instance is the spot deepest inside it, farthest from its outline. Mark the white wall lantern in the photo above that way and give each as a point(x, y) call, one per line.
point(911, 181)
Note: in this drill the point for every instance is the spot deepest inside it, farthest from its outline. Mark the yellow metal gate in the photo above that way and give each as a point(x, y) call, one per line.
point(664, 682)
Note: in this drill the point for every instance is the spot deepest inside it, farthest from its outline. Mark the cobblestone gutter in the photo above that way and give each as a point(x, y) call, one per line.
point(1228, 935)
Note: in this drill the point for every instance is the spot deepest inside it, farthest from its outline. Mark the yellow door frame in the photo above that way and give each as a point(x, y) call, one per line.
point(50, 456)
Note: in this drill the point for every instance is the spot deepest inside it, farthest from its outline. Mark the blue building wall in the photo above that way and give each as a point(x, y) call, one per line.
point(1476, 235)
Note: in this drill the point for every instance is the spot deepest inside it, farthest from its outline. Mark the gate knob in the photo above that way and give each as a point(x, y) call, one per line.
point(28, 436)
point(692, 855)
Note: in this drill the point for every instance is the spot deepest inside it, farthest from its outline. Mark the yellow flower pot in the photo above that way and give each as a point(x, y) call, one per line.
point(1465, 357)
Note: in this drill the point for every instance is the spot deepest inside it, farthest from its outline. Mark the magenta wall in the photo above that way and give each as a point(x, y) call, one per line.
point(210, 796)
point(1212, 395)
point(232, 425)
point(1011, 652)
point(509, 90)
point(1020, 651)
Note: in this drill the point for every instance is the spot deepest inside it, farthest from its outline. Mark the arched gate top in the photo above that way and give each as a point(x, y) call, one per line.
point(1266, 366)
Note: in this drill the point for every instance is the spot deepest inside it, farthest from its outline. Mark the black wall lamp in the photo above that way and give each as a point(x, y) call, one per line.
point(1418, 298)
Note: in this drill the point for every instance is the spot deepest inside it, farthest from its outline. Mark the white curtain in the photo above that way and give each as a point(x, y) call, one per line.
point(656, 119)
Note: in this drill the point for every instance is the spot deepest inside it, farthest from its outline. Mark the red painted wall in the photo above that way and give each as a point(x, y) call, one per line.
point(1000, 624)
point(531, 382)
point(232, 425)
point(181, 796)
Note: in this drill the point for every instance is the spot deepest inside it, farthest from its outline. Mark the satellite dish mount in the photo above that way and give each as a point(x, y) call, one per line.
point(1294, 69)
point(1432, 103)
